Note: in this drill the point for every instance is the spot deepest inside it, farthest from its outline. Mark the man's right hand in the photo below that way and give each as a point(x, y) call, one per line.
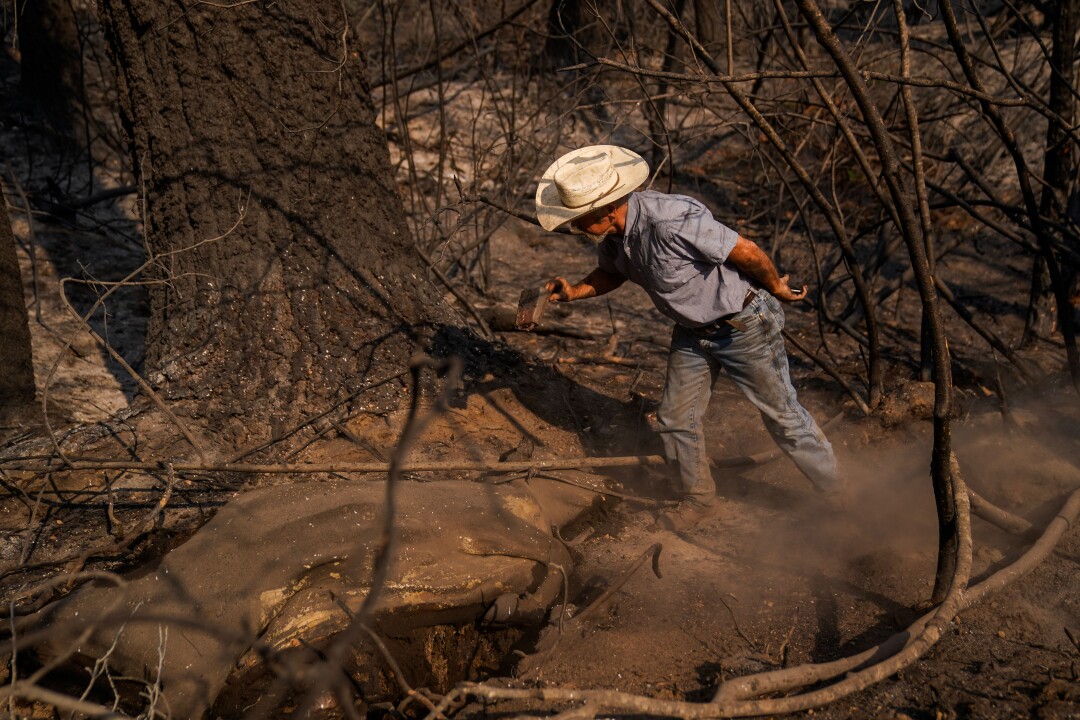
point(560, 289)
point(598, 282)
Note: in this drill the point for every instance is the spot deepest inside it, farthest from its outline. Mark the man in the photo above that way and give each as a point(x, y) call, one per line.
point(721, 290)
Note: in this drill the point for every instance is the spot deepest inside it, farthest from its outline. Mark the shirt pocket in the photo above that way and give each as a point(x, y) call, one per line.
point(670, 274)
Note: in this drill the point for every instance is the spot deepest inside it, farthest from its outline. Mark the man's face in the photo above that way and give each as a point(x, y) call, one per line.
point(594, 225)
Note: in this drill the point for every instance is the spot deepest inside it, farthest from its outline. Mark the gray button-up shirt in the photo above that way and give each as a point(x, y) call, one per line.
point(677, 251)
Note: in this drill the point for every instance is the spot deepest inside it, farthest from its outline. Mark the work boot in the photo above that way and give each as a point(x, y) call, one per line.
point(686, 515)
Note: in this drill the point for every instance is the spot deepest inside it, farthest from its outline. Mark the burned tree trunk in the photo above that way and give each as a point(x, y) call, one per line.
point(710, 24)
point(1058, 173)
point(51, 64)
point(273, 222)
point(17, 380)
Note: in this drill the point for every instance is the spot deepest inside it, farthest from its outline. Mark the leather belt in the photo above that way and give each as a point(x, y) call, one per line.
point(726, 320)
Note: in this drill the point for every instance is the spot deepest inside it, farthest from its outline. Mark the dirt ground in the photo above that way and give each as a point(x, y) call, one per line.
point(775, 579)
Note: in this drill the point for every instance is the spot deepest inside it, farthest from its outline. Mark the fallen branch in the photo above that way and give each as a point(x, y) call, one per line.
point(598, 360)
point(74, 463)
point(339, 467)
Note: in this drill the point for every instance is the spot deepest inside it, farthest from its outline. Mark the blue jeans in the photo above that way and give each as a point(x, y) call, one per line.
point(756, 359)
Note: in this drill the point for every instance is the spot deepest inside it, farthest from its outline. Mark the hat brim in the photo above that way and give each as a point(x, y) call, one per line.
point(550, 211)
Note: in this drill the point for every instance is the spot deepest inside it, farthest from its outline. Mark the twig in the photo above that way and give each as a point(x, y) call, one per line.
point(457, 293)
point(99, 303)
point(598, 360)
point(400, 74)
point(124, 540)
point(315, 418)
point(968, 317)
point(735, 622)
point(653, 552)
point(102, 196)
point(782, 653)
point(830, 370)
point(61, 701)
point(1023, 101)
point(32, 250)
point(143, 385)
point(600, 491)
point(1072, 638)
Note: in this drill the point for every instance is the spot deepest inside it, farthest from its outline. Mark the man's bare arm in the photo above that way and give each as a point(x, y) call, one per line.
point(598, 282)
point(754, 263)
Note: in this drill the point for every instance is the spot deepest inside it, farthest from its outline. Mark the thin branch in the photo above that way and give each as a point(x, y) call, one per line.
point(1023, 101)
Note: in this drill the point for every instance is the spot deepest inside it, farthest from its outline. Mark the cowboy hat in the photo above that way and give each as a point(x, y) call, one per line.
point(585, 179)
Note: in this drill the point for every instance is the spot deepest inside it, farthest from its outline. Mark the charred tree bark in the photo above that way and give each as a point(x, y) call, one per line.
point(709, 24)
point(1059, 163)
point(51, 64)
point(272, 217)
point(17, 379)
point(565, 19)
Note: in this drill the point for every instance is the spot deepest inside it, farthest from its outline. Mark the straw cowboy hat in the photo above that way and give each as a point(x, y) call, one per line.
point(585, 179)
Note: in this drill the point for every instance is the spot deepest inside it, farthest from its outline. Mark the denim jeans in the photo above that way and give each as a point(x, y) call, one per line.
point(756, 359)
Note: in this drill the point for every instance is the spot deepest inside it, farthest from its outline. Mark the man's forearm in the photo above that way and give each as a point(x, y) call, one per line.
point(752, 261)
point(598, 282)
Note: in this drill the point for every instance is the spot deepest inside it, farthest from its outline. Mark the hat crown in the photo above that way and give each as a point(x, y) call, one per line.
point(586, 178)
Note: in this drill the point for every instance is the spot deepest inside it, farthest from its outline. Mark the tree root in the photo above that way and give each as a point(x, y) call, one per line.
point(998, 517)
